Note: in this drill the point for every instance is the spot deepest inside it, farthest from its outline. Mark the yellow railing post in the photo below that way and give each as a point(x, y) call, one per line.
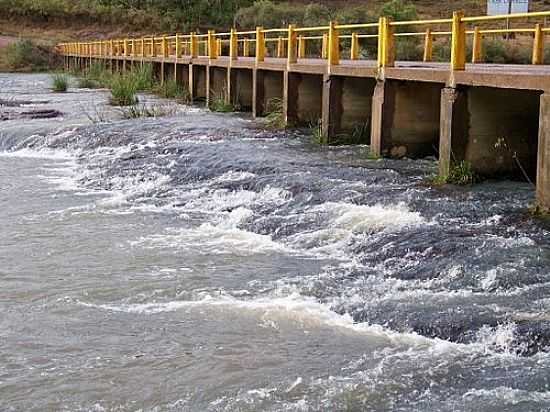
point(428, 46)
point(178, 46)
point(260, 45)
point(458, 42)
point(164, 47)
point(301, 47)
point(112, 47)
point(233, 45)
point(246, 47)
point(291, 47)
point(476, 46)
point(386, 43)
point(333, 45)
point(280, 47)
point(212, 45)
point(538, 45)
point(219, 46)
point(324, 46)
point(194, 49)
point(125, 47)
point(354, 52)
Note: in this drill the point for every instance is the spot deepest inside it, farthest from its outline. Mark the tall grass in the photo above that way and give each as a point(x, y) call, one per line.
point(123, 90)
point(170, 89)
point(60, 83)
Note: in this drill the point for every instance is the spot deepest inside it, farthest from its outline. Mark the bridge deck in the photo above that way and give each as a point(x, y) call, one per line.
point(514, 76)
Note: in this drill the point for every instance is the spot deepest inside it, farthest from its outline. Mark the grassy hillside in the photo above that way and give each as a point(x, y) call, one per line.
point(93, 18)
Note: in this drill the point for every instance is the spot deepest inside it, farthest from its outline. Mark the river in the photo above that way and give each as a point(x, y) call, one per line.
point(195, 262)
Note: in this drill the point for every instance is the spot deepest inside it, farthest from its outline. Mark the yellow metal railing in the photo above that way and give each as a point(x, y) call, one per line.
point(292, 42)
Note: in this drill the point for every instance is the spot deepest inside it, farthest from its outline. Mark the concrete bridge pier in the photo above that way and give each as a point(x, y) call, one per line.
point(347, 107)
point(181, 75)
point(303, 97)
point(240, 84)
point(217, 84)
point(405, 118)
point(268, 90)
point(543, 154)
point(197, 82)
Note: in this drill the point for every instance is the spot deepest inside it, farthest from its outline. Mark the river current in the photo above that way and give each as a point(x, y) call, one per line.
point(195, 262)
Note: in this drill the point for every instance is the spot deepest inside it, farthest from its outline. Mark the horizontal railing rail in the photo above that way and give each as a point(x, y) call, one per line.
point(327, 42)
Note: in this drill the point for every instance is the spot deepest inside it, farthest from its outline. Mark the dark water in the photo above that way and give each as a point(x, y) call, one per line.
point(197, 263)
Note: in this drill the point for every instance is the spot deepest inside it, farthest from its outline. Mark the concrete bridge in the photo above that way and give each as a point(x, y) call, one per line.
point(496, 117)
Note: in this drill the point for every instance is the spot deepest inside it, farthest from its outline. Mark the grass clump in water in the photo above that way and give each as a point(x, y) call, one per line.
point(143, 77)
point(275, 117)
point(170, 89)
point(87, 83)
point(460, 173)
point(139, 111)
point(60, 83)
point(218, 103)
point(123, 91)
point(316, 130)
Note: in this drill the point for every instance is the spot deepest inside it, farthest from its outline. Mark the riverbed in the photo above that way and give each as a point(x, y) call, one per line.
point(196, 262)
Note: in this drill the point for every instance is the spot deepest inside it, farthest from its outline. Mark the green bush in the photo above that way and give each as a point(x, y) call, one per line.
point(24, 55)
point(123, 90)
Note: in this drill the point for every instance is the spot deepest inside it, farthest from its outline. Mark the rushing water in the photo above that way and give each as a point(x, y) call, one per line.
point(196, 263)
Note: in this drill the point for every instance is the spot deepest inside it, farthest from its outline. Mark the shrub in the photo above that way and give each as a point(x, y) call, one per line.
point(123, 90)
point(24, 55)
point(60, 83)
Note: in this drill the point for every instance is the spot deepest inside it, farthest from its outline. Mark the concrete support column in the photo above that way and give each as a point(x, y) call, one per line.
point(379, 118)
point(228, 82)
point(190, 84)
point(543, 154)
point(331, 112)
point(291, 84)
point(162, 72)
point(453, 128)
point(258, 93)
point(208, 86)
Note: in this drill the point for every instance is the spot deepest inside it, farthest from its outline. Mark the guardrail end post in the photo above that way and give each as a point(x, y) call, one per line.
point(458, 42)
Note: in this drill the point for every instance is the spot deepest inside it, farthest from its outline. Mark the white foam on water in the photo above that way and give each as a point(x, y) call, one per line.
point(223, 237)
point(500, 339)
point(507, 395)
point(43, 153)
point(306, 312)
point(345, 220)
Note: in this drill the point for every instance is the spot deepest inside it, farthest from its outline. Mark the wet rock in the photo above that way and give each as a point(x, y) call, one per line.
point(398, 152)
point(40, 114)
point(533, 336)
